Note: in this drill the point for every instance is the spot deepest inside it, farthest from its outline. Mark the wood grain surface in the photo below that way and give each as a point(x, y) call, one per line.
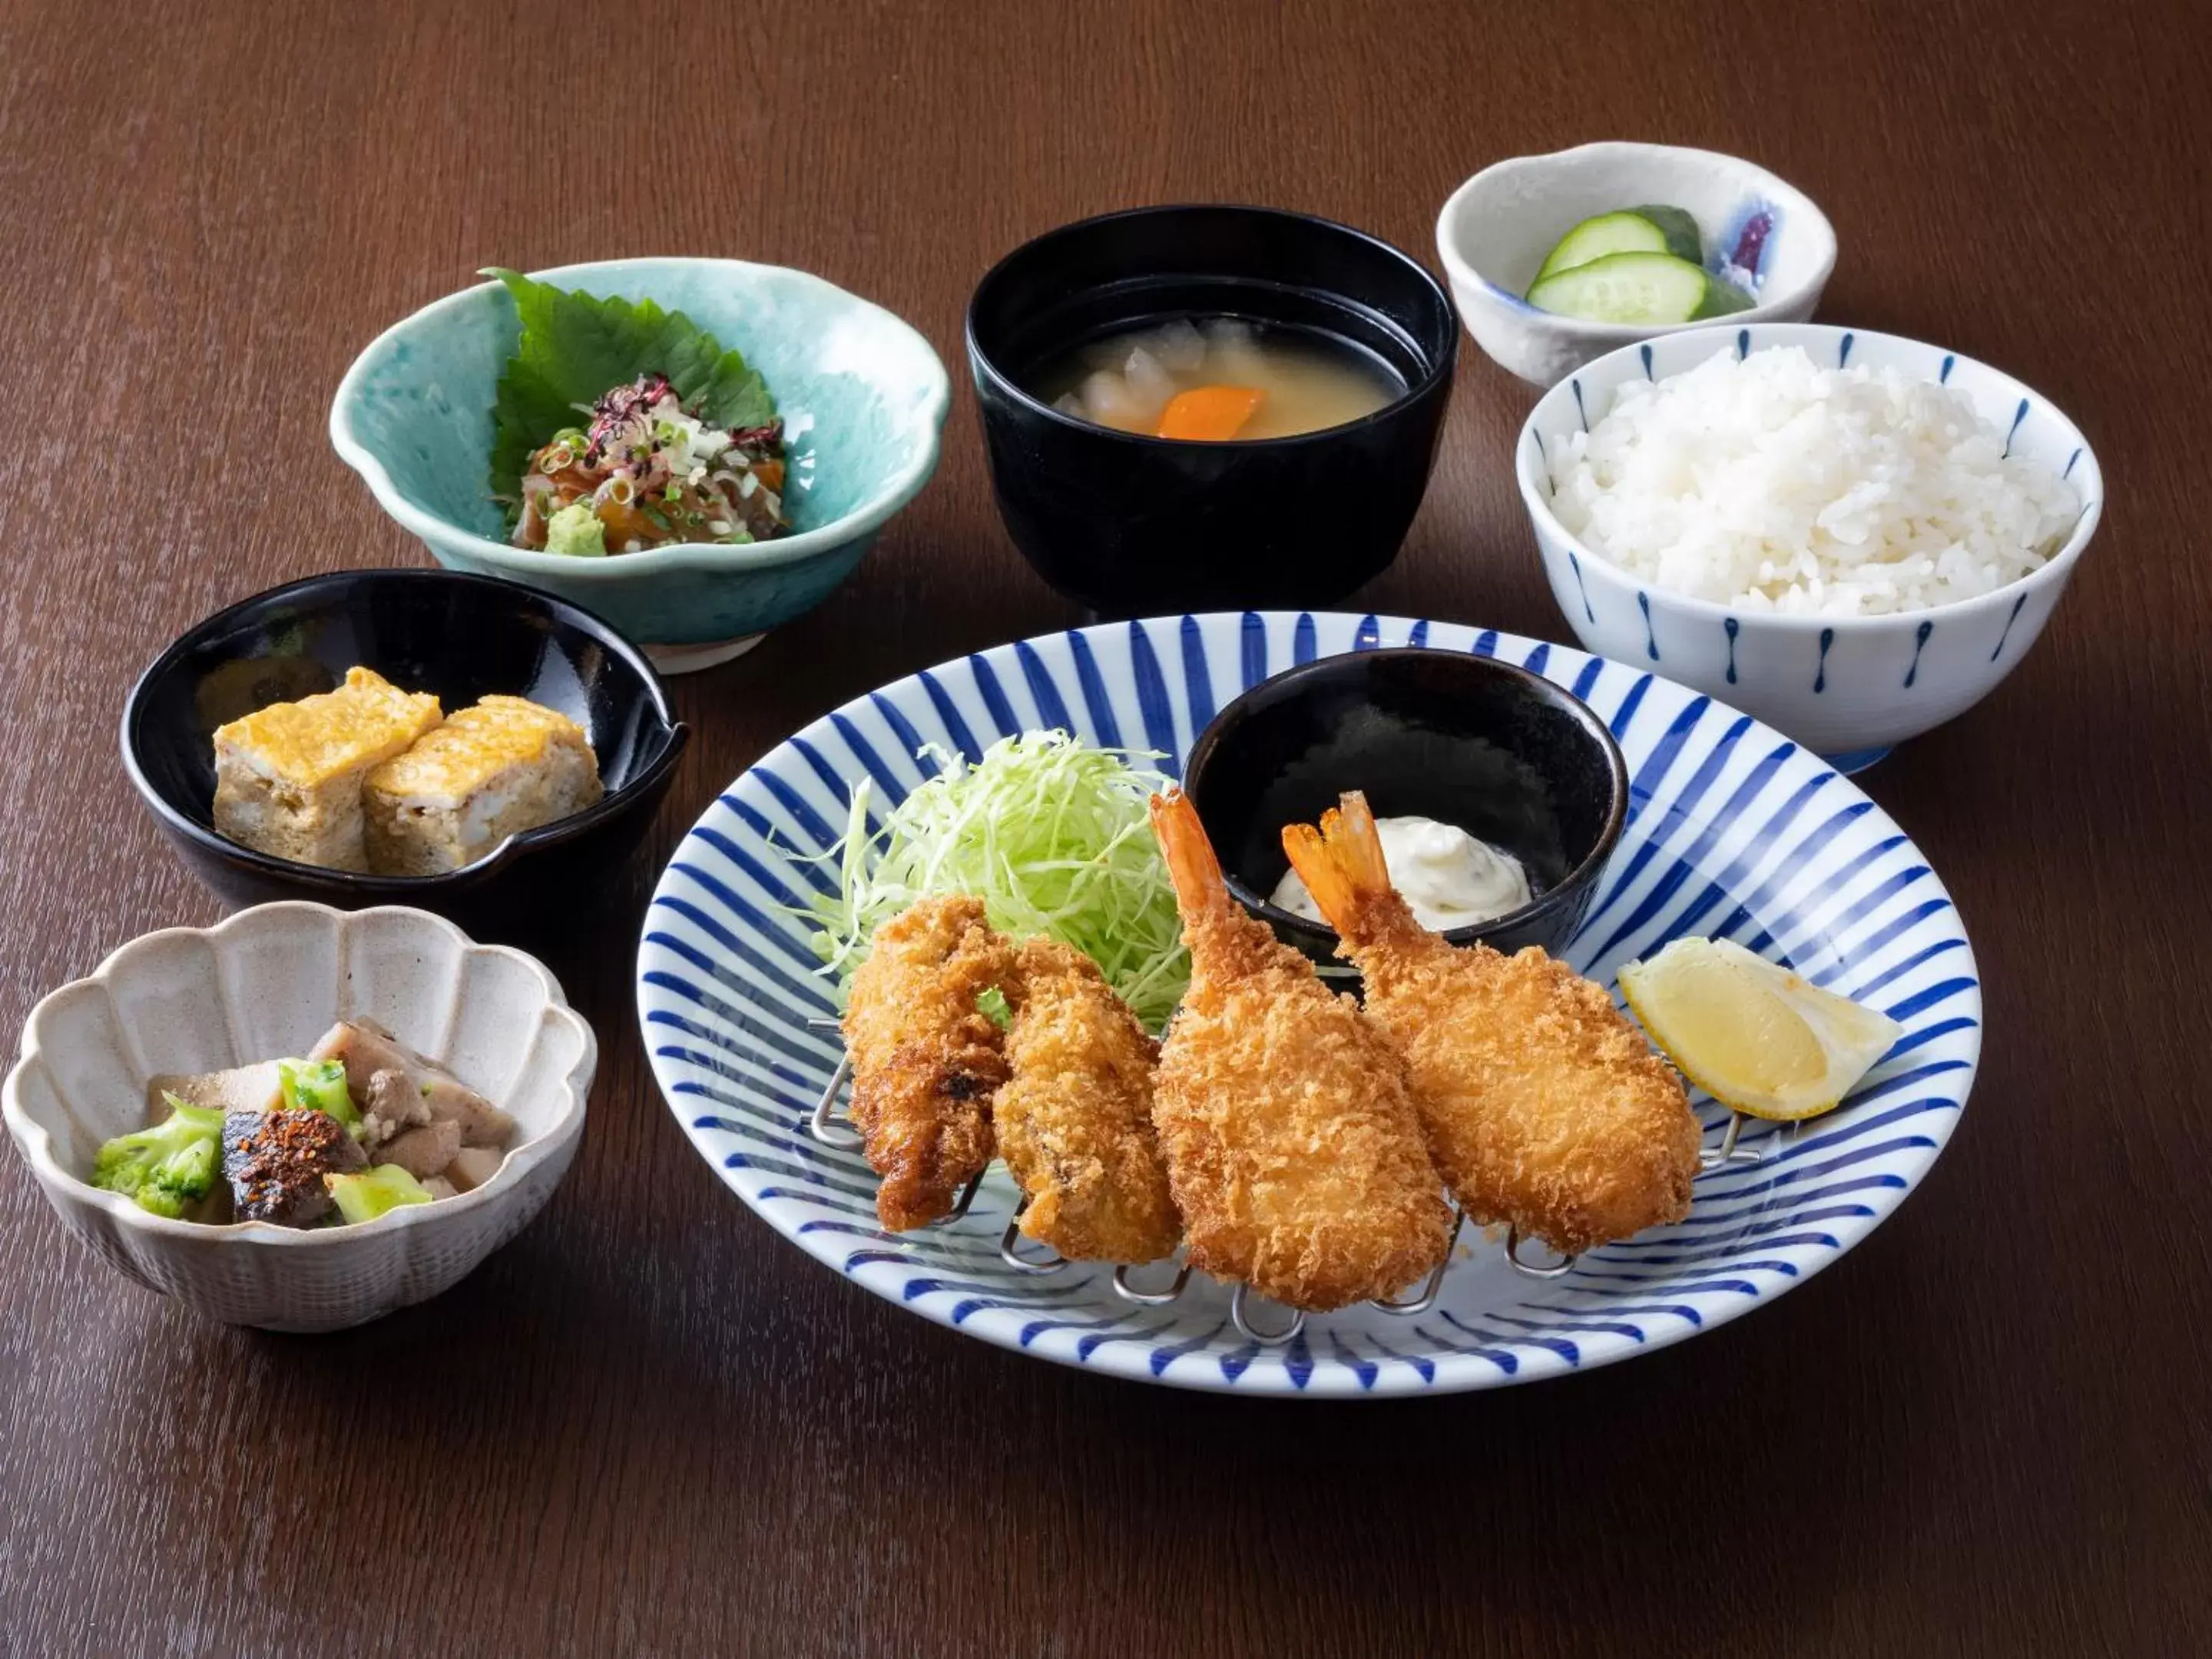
point(650, 1427)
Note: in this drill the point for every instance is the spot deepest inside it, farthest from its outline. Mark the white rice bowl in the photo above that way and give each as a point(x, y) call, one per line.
point(1767, 483)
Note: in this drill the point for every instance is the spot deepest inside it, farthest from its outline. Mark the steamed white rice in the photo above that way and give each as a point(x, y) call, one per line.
point(1768, 483)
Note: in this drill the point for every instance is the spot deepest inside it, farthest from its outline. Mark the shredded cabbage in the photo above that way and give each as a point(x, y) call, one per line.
point(1053, 836)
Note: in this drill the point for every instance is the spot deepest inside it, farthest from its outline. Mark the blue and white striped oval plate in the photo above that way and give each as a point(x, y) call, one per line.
point(1734, 832)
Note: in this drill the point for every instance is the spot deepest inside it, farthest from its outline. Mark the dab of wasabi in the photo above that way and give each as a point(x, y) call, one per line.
point(576, 531)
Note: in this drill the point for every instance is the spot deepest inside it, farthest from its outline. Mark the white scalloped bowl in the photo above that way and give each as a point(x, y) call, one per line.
point(269, 981)
point(1495, 231)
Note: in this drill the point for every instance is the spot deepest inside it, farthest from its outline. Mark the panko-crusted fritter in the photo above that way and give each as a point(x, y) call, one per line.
point(926, 1060)
point(1074, 1120)
point(1545, 1109)
point(1292, 1143)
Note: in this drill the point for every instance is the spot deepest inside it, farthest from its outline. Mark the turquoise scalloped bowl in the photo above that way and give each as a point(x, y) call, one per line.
point(862, 395)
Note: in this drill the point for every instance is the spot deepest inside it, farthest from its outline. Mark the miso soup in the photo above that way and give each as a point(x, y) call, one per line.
point(1218, 378)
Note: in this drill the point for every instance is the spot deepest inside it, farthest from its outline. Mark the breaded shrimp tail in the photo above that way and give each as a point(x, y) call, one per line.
point(1544, 1108)
point(926, 1060)
point(1074, 1121)
point(1342, 865)
point(1201, 896)
point(1291, 1146)
point(1226, 943)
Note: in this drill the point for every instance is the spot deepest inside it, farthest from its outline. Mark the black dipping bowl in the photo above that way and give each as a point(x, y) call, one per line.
point(1504, 754)
point(458, 636)
point(1130, 525)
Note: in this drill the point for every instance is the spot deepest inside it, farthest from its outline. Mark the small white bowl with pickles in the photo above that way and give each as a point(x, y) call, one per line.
point(264, 983)
point(1754, 233)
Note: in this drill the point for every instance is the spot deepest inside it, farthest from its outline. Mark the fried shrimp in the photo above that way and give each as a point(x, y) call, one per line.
point(1545, 1109)
point(926, 1060)
point(1074, 1120)
point(1292, 1144)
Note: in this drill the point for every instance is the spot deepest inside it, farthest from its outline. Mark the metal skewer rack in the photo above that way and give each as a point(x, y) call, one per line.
point(834, 1130)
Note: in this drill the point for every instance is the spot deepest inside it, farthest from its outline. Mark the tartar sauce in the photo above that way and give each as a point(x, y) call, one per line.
point(1447, 877)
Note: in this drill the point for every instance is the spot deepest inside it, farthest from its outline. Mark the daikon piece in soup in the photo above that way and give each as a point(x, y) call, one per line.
point(1214, 378)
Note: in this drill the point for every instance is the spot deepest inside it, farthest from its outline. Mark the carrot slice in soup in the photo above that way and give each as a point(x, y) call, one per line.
point(1211, 414)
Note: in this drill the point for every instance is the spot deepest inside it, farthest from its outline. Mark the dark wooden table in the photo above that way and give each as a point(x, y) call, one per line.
point(649, 1426)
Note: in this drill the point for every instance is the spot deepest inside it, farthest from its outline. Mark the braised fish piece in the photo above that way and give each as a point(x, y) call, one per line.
point(275, 1163)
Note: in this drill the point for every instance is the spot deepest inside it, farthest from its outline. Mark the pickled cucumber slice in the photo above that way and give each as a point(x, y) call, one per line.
point(1683, 239)
point(1625, 287)
point(1630, 232)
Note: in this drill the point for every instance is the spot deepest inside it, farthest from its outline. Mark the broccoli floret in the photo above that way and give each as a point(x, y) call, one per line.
point(367, 1195)
point(318, 1086)
point(168, 1166)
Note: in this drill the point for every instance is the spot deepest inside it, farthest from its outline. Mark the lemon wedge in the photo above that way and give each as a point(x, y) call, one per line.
point(1757, 1037)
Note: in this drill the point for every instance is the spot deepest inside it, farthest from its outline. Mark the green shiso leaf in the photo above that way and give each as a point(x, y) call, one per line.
point(576, 346)
point(1053, 836)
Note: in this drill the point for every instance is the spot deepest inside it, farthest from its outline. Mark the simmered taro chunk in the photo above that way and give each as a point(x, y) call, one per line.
point(242, 1088)
point(399, 1088)
point(474, 1165)
point(482, 1124)
point(365, 1049)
